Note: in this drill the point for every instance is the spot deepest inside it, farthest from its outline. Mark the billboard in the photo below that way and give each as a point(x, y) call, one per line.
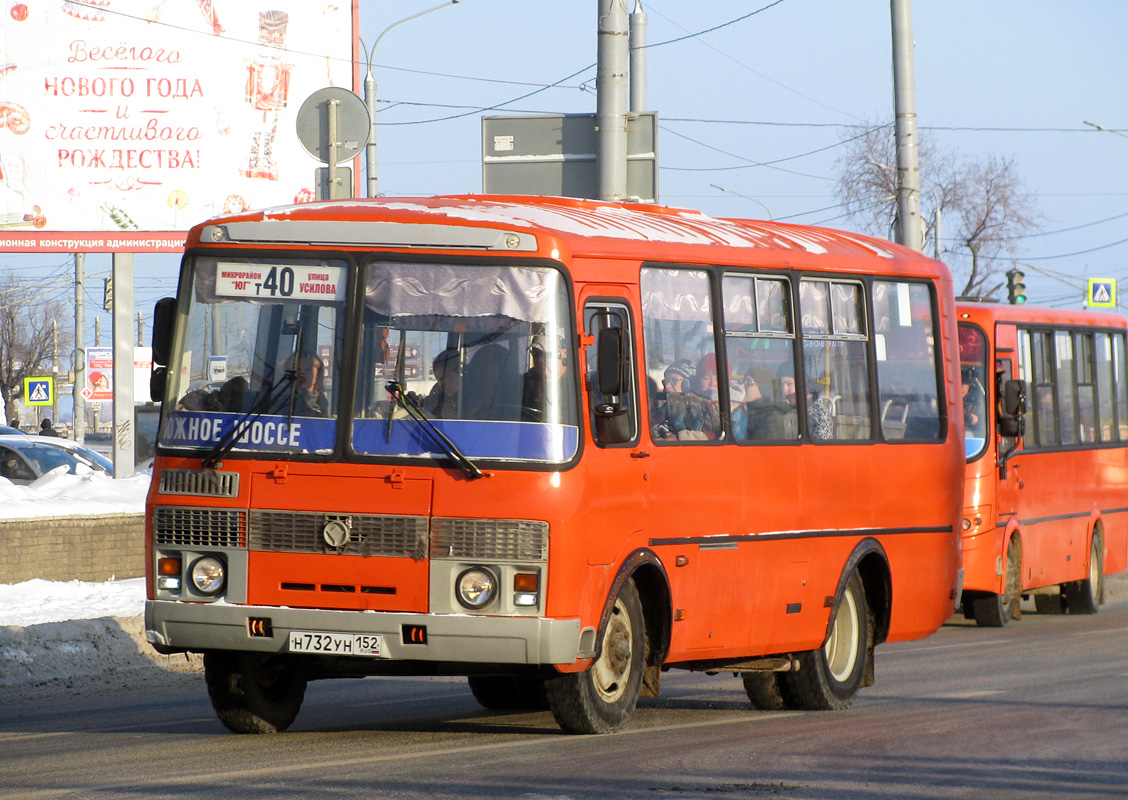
point(124, 122)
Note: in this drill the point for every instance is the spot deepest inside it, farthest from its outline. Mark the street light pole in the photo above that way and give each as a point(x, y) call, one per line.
point(1106, 130)
point(370, 96)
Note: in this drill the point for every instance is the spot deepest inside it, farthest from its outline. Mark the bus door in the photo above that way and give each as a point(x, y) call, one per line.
point(1009, 460)
point(615, 463)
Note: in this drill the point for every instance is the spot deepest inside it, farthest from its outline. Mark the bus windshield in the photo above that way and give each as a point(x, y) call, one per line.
point(973, 386)
point(481, 351)
point(484, 352)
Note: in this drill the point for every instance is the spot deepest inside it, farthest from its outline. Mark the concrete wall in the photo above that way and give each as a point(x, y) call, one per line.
point(72, 548)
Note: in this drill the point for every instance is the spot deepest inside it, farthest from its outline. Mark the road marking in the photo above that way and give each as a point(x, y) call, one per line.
point(1103, 632)
point(967, 695)
point(932, 648)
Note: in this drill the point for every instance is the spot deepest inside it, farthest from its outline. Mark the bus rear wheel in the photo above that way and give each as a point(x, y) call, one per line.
point(601, 698)
point(828, 678)
point(767, 690)
point(252, 693)
point(996, 610)
point(1085, 596)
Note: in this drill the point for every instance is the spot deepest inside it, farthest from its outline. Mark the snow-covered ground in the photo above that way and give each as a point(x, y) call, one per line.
point(54, 634)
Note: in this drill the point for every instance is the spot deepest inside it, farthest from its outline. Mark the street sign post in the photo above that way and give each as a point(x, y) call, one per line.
point(39, 391)
point(1102, 293)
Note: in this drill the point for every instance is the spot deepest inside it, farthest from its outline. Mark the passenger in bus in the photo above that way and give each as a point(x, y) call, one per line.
point(769, 417)
point(689, 415)
point(820, 425)
point(308, 398)
point(228, 397)
point(974, 404)
point(546, 379)
point(487, 384)
point(442, 401)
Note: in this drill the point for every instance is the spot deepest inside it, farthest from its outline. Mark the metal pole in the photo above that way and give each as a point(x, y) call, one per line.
point(637, 42)
point(910, 230)
point(79, 362)
point(331, 108)
point(370, 96)
point(370, 148)
point(123, 432)
point(611, 100)
point(937, 246)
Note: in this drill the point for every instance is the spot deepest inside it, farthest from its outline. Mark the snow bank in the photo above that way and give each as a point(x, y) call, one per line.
point(55, 495)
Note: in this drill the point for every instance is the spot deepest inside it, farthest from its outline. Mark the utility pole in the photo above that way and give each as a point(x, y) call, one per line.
point(637, 42)
point(910, 227)
point(79, 362)
point(611, 100)
point(123, 413)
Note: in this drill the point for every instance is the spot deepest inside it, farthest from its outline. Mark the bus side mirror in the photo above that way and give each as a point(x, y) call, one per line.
point(164, 316)
point(157, 380)
point(1012, 409)
point(609, 362)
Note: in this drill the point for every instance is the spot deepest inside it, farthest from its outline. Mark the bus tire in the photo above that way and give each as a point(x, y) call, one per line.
point(1049, 603)
point(508, 692)
point(828, 678)
point(252, 693)
point(601, 698)
point(996, 610)
point(767, 690)
point(1085, 596)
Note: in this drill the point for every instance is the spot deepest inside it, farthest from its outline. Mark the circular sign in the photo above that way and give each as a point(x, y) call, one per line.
point(352, 124)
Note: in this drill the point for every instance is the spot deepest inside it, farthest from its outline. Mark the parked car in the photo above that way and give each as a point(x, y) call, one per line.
point(8, 430)
point(23, 459)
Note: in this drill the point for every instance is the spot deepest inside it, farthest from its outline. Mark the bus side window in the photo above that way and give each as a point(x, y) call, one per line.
point(611, 373)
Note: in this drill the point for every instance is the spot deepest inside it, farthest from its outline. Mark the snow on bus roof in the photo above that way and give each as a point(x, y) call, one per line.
point(590, 218)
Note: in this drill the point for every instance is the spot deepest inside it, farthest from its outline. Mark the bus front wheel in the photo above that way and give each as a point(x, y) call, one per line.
point(996, 610)
point(1085, 596)
point(601, 698)
point(252, 693)
point(828, 678)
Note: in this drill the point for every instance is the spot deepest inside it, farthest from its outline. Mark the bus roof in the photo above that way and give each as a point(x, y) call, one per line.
point(593, 228)
point(986, 313)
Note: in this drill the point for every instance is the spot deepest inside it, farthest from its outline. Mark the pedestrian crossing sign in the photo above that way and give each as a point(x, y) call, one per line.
point(39, 391)
point(1102, 293)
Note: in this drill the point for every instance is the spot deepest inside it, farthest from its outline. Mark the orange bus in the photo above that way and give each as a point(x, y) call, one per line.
point(1046, 421)
point(485, 436)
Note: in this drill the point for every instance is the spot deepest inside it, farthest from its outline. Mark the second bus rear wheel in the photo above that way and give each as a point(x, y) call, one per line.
point(601, 698)
point(828, 678)
point(1085, 596)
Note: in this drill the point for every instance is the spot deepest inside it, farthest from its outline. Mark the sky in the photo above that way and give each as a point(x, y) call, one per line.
point(754, 101)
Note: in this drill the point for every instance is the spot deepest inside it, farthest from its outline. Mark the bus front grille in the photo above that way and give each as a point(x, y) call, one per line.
point(199, 527)
point(199, 482)
point(369, 534)
point(489, 539)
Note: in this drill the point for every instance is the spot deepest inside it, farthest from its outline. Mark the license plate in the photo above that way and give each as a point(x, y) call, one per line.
point(337, 644)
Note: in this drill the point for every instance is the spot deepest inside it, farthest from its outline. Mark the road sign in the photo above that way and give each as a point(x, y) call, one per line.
point(217, 368)
point(39, 391)
point(1102, 293)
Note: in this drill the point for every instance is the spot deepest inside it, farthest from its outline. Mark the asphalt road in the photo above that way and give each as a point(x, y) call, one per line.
point(1036, 710)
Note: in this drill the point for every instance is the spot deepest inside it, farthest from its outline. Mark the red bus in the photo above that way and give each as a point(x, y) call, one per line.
point(1046, 420)
point(485, 436)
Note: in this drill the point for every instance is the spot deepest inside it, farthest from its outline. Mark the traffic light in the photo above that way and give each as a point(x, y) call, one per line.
point(108, 294)
point(1016, 287)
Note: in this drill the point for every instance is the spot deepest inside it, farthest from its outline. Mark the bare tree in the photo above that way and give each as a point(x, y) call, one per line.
point(27, 331)
point(981, 200)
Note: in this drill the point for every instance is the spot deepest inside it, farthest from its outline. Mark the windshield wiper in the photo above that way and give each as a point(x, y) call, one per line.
point(243, 423)
point(395, 389)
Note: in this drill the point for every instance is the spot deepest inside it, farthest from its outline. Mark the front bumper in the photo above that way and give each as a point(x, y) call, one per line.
point(176, 626)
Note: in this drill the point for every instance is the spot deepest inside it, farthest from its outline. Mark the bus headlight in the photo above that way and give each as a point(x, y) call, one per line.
point(476, 587)
point(208, 575)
